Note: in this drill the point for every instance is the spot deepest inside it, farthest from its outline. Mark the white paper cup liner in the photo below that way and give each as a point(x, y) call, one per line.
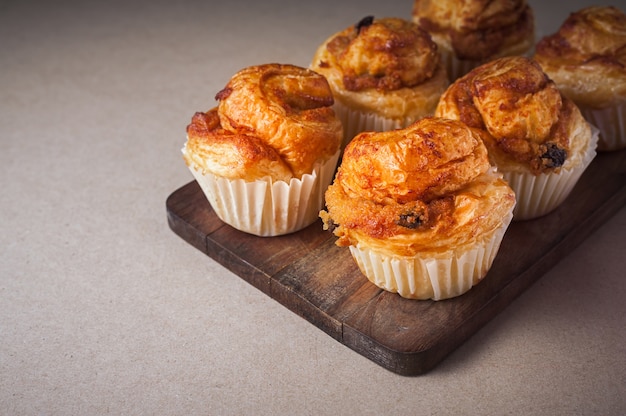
point(538, 195)
point(611, 121)
point(268, 208)
point(456, 67)
point(431, 275)
point(356, 121)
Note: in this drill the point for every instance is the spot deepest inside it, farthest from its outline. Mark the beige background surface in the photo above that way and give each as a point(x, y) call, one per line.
point(103, 310)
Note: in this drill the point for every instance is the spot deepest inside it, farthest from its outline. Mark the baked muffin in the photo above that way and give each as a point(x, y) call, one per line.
point(266, 153)
point(586, 58)
point(384, 73)
point(421, 208)
point(472, 32)
point(535, 136)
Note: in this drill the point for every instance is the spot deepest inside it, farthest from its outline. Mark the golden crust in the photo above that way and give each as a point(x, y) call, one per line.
point(389, 66)
point(270, 119)
point(586, 57)
point(426, 187)
point(478, 29)
point(413, 163)
point(210, 148)
point(529, 123)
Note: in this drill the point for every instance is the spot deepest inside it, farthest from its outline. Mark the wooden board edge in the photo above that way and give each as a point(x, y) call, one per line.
point(417, 363)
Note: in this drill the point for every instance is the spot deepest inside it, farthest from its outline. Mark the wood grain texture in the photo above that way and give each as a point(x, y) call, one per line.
point(307, 273)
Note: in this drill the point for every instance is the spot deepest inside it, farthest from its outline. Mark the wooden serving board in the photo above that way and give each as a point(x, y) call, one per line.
point(307, 273)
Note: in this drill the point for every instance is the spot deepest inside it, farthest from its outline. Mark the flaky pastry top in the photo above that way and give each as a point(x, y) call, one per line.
point(388, 64)
point(428, 186)
point(478, 29)
point(228, 154)
point(272, 120)
point(586, 57)
point(531, 126)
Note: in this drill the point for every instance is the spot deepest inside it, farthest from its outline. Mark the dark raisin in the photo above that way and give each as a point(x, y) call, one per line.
point(410, 220)
point(554, 156)
point(365, 22)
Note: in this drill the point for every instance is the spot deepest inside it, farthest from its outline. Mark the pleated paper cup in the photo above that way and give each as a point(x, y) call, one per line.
point(432, 275)
point(611, 121)
point(268, 208)
point(538, 195)
point(357, 121)
point(457, 67)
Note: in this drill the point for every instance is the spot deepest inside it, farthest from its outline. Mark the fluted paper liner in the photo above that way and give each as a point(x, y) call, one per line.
point(538, 195)
point(457, 67)
point(356, 121)
point(432, 275)
point(265, 207)
point(611, 121)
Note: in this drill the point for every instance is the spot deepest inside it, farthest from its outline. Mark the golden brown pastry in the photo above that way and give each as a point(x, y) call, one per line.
point(477, 30)
point(428, 185)
point(285, 108)
point(530, 123)
point(230, 154)
point(531, 128)
point(586, 58)
point(424, 199)
point(265, 155)
point(385, 67)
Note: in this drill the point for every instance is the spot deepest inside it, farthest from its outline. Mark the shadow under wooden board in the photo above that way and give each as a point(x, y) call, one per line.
point(307, 273)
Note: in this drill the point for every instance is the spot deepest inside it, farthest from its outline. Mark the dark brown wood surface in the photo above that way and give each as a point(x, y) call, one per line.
point(307, 273)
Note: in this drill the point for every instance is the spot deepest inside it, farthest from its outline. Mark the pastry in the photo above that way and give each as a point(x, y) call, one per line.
point(586, 58)
point(385, 73)
point(421, 208)
point(535, 136)
point(472, 32)
point(266, 153)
